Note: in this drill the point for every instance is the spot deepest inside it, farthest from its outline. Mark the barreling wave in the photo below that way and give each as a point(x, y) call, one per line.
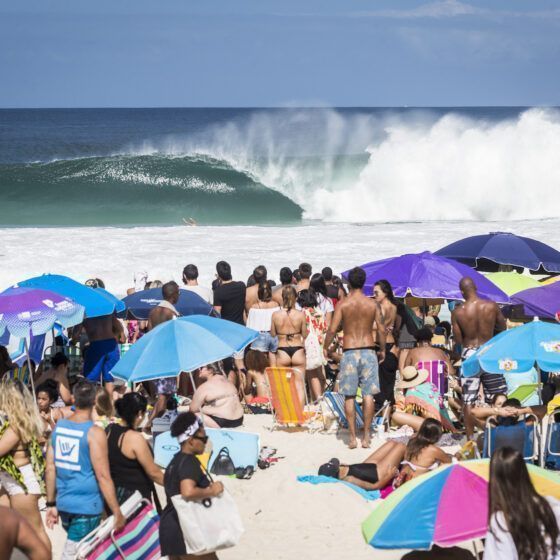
point(137, 189)
point(278, 166)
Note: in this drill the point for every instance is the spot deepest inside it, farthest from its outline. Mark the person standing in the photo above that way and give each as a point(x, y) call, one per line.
point(475, 323)
point(359, 365)
point(260, 275)
point(334, 291)
point(78, 476)
point(190, 281)
point(305, 270)
point(286, 279)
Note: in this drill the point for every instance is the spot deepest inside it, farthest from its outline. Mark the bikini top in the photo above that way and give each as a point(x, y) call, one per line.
point(414, 467)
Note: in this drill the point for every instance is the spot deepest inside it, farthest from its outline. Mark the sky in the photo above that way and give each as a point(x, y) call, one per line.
point(261, 53)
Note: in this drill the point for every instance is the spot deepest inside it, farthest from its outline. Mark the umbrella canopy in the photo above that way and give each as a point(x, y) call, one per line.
point(95, 301)
point(445, 507)
point(541, 302)
point(25, 311)
point(484, 252)
point(120, 306)
point(139, 304)
point(425, 275)
point(518, 350)
point(182, 345)
point(512, 282)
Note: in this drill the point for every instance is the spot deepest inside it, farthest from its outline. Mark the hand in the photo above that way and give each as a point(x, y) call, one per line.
point(51, 517)
point(217, 489)
point(381, 357)
point(120, 521)
point(326, 353)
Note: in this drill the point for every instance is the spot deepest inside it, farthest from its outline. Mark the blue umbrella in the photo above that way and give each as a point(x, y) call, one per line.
point(120, 305)
point(484, 252)
point(96, 301)
point(427, 276)
point(139, 304)
point(182, 345)
point(518, 350)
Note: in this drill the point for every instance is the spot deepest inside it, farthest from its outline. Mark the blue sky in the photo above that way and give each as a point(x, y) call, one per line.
point(144, 53)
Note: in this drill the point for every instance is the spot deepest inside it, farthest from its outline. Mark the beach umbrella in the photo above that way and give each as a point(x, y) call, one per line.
point(512, 282)
point(26, 312)
point(486, 252)
point(139, 304)
point(184, 344)
point(535, 344)
point(444, 507)
point(427, 276)
point(540, 302)
point(96, 301)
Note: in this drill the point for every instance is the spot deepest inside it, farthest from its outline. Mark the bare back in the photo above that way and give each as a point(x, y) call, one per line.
point(159, 315)
point(475, 321)
point(100, 328)
point(289, 327)
point(358, 313)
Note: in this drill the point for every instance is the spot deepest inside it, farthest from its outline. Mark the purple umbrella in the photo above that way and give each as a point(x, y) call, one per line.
point(28, 310)
point(425, 275)
point(541, 302)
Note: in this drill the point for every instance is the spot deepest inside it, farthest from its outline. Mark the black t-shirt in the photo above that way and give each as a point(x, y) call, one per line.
point(231, 298)
point(182, 466)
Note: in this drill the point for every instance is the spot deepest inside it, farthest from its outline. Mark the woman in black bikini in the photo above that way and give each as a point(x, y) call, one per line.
point(289, 326)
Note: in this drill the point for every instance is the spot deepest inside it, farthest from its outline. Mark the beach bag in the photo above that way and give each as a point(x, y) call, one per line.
point(223, 464)
point(209, 525)
point(313, 350)
point(139, 539)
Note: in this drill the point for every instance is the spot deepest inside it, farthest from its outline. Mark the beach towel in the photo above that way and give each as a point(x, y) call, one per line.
point(426, 400)
point(369, 495)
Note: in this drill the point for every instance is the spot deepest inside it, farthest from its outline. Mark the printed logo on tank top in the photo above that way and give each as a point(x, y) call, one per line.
point(67, 448)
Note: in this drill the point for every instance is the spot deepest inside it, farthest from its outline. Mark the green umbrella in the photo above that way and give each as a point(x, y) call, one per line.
point(512, 282)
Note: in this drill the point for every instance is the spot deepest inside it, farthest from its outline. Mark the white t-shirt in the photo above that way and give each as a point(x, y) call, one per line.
point(503, 546)
point(204, 292)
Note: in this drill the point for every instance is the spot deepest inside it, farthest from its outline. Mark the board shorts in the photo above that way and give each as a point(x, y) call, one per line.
point(77, 526)
point(492, 383)
point(100, 358)
point(358, 369)
point(265, 342)
point(166, 386)
point(12, 487)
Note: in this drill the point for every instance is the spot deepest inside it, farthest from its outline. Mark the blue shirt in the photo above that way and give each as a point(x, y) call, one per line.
point(77, 490)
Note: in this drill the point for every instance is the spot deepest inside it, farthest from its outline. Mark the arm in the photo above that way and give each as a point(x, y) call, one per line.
point(501, 324)
point(144, 457)
point(441, 456)
point(76, 331)
point(198, 399)
point(273, 325)
point(363, 484)
point(64, 388)
point(381, 333)
point(50, 480)
point(99, 454)
point(191, 492)
point(499, 543)
point(8, 441)
point(333, 328)
point(457, 333)
point(303, 331)
point(118, 330)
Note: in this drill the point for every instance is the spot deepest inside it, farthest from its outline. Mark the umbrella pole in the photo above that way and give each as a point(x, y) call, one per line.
point(475, 548)
point(29, 364)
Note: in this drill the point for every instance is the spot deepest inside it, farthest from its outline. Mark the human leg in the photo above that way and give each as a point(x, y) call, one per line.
point(298, 364)
point(368, 405)
point(406, 419)
point(350, 411)
point(208, 421)
point(368, 381)
point(316, 380)
point(381, 452)
point(470, 388)
point(28, 506)
point(388, 466)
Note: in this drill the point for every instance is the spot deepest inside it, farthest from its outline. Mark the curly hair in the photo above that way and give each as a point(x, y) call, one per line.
point(18, 405)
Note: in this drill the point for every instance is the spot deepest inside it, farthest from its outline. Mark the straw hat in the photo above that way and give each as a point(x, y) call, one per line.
point(410, 377)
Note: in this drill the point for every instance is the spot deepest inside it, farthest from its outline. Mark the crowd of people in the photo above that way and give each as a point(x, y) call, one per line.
point(83, 444)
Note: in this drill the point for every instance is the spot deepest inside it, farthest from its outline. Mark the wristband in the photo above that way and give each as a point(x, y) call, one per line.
point(51, 504)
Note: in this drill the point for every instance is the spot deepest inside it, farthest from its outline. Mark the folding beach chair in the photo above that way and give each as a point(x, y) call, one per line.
point(284, 399)
point(521, 436)
point(438, 374)
point(527, 394)
point(335, 402)
point(550, 458)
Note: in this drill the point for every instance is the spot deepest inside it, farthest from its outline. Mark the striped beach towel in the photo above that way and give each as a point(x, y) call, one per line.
point(139, 540)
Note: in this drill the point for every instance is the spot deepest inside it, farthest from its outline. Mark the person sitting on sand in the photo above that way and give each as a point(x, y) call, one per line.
point(422, 454)
point(256, 362)
point(376, 472)
point(425, 352)
point(216, 399)
point(422, 400)
point(46, 396)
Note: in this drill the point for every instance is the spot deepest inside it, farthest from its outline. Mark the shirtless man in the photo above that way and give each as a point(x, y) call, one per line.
point(251, 294)
point(475, 323)
point(359, 365)
point(165, 310)
point(286, 279)
point(305, 272)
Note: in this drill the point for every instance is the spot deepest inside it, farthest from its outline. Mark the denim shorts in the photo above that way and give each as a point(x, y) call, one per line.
point(265, 342)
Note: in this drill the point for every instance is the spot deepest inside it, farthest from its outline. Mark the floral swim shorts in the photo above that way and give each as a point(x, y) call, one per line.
point(359, 368)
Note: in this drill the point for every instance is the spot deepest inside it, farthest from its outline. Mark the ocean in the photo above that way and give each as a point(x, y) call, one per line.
point(107, 192)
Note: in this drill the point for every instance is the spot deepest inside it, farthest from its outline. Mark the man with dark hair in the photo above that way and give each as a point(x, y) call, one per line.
point(335, 292)
point(78, 476)
point(286, 279)
point(165, 310)
point(359, 365)
point(190, 280)
point(305, 272)
point(475, 323)
point(251, 295)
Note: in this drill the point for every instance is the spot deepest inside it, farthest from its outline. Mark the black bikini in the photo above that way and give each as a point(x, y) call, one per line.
point(364, 471)
point(290, 350)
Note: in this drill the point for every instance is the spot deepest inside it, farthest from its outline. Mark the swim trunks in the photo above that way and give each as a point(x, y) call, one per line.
point(359, 368)
point(99, 359)
point(492, 383)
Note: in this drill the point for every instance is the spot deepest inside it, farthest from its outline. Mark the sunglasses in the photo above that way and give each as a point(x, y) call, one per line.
point(201, 438)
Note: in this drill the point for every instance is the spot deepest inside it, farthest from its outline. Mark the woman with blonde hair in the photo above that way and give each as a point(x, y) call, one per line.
point(22, 464)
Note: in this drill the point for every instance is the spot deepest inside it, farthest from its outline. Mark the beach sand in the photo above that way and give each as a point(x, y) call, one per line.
point(286, 519)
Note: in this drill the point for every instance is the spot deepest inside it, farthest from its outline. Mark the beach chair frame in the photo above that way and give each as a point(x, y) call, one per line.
point(535, 429)
point(306, 423)
point(546, 450)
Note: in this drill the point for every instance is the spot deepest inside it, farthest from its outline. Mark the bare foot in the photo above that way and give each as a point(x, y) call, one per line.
point(366, 442)
point(352, 444)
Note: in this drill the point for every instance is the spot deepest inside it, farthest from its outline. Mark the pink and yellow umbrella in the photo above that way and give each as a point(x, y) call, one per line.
point(445, 507)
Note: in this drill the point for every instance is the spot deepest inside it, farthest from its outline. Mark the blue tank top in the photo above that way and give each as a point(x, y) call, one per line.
point(77, 490)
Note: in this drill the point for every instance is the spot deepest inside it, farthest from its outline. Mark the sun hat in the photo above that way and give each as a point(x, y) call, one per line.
point(410, 377)
point(331, 468)
point(429, 321)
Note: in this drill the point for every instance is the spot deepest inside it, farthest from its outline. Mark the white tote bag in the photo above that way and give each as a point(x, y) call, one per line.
point(210, 525)
point(313, 350)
